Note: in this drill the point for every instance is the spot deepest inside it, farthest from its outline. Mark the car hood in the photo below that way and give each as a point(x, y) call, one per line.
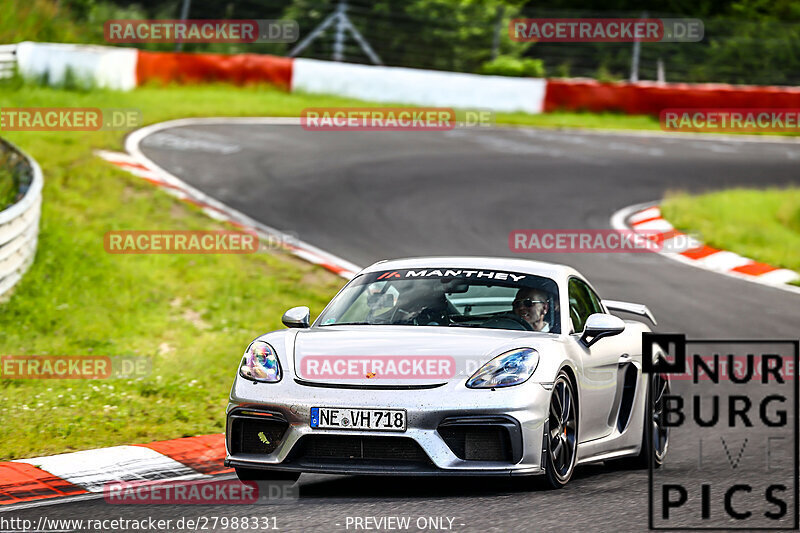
point(400, 355)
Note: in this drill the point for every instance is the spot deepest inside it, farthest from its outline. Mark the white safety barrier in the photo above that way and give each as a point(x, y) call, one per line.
point(19, 223)
point(419, 87)
point(8, 60)
point(101, 66)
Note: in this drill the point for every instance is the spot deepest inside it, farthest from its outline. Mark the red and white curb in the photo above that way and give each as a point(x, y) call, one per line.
point(647, 218)
point(84, 474)
point(135, 162)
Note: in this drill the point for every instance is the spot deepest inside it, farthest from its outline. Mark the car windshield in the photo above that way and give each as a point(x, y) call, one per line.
point(449, 298)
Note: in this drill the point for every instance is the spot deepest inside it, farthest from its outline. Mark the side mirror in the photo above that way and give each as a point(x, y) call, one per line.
point(296, 317)
point(600, 325)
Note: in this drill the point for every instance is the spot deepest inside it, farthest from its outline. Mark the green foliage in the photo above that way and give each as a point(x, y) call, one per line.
point(455, 35)
point(8, 186)
point(513, 66)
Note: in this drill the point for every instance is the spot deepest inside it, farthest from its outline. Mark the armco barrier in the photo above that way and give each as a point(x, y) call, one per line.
point(101, 66)
point(19, 224)
point(650, 98)
point(169, 67)
point(419, 87)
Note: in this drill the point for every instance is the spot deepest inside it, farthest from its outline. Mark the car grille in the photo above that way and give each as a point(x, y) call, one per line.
point(478, 442)
point(251, 435)
point(345, 447)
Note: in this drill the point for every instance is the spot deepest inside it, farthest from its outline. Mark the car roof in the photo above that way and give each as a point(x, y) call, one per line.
point(554, 271)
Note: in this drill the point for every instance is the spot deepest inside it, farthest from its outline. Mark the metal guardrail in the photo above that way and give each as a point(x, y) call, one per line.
point(8, 60)
point(19, 223)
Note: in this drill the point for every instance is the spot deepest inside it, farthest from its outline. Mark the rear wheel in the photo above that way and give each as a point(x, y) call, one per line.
point(561, 439)
point(655, 433)
point(251, 474)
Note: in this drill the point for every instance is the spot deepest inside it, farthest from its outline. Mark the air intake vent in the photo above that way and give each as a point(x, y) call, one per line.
point(483, 438)
point(252, 435)
point(345, 447)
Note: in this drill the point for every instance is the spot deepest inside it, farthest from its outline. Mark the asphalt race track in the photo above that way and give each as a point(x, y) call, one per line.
point(367, 196)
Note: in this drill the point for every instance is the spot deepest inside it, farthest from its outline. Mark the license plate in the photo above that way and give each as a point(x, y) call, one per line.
point(360, 419)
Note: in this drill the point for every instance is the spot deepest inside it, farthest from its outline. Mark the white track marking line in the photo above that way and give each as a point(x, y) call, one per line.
point(724, 261)
point(650, 212)
point(658, 224)
point(782, 275)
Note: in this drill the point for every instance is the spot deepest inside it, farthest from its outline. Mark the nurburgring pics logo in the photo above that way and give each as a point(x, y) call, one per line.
point(598, 241)
point(180, 242)
point(733, 463)
point(392, 118)
point(730, 119)
point(606, 30)
point(201, 31)
point(68, 118)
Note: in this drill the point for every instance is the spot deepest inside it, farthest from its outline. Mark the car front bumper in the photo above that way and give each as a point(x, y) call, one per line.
point(523, 409)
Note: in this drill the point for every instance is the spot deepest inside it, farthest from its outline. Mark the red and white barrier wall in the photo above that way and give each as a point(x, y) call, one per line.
point(125, 68)
point(649, 98)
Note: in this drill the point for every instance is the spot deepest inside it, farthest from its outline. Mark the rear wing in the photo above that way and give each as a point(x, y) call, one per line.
point(628, 307)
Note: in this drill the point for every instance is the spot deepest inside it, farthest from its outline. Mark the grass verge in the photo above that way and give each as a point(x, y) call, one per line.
point(190, 315)
point(760, 224)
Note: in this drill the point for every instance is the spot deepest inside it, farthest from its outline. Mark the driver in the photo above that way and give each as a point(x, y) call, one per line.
point(531, 305)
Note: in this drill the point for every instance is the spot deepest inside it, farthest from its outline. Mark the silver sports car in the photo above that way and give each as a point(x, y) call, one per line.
point(436, 366)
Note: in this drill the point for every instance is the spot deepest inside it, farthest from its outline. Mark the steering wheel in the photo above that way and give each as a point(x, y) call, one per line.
point(497, 322)
point(428, 316)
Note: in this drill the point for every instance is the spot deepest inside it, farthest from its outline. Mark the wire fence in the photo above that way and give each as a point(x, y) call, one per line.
point(432, 34)
point(732, 50)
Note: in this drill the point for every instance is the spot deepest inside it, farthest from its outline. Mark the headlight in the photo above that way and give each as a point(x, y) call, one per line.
point(506, 370)
point(260, 363)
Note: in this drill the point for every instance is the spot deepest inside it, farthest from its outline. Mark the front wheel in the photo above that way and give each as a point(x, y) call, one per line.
point(251, 474)
point(561, 438)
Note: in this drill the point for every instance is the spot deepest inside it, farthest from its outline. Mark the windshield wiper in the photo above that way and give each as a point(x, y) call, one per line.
point(350, 324)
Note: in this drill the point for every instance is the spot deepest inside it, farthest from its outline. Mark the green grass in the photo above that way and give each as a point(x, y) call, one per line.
point(563, 119)
point(191, 315)
point(760, 224)
point(8, 187)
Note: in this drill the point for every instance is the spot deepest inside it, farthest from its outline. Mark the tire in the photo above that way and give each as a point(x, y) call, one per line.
point(655, 436)
point(561, 439)
point(250, 474)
